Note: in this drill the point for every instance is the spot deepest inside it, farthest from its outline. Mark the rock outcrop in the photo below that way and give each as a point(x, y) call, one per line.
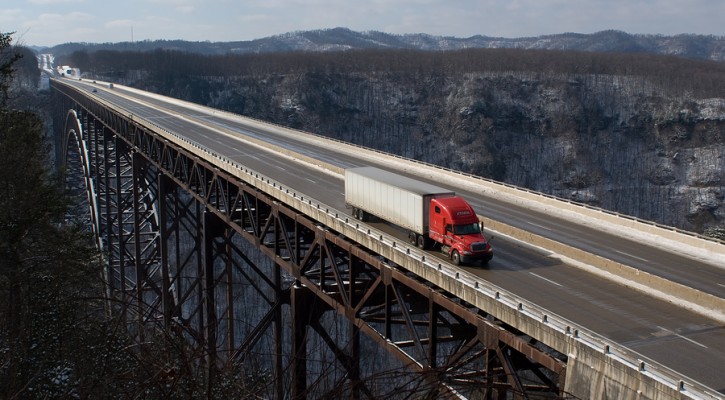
point(624, 143)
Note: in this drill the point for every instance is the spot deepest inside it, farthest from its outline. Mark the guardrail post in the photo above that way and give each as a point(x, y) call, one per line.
point(300, 304)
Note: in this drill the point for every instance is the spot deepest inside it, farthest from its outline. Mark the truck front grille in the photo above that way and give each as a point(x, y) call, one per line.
point(478, 246)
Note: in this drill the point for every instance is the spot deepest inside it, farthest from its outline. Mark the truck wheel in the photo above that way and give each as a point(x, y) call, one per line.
point(456, 258)
point(422, 242)
point(361, 215)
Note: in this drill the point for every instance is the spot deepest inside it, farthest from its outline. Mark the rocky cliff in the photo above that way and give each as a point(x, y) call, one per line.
point(609, 141)
point(628, 142)
point(341, 39)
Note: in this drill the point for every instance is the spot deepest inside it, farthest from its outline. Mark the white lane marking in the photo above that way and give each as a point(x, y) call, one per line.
point(720, 284)
point(682, 337)
point(548, 280)
point(629, 255)
point(540, 226)
point(310, 180)
point(281, 167)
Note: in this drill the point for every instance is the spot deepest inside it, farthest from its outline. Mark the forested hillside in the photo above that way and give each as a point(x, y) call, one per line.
point(707, 47)
point(636, 133)
point(60, 338)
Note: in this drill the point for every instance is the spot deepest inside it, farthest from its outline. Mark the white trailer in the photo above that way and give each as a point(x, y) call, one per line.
point(395, 198)
point(69, 72)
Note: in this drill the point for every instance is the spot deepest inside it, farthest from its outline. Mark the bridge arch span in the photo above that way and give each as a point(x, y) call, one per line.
point(318, 268)
point(74, 167)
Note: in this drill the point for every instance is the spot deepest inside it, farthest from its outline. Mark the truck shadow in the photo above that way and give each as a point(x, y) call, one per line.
point(514, 256)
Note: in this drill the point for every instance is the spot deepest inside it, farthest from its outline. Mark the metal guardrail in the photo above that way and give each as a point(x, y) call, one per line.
point(655, 285)
point(463, 174)
point(647, 368)
point(633, 360)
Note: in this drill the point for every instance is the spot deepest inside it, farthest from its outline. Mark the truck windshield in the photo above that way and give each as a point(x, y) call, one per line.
point(466, 229)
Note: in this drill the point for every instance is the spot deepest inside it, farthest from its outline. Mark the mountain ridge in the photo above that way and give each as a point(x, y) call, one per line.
point(340, 39)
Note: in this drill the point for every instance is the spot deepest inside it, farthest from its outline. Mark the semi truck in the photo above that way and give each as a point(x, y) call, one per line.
point(70, 72)
point(433, 216)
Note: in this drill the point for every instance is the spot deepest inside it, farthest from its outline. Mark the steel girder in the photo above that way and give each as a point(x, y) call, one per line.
point(191, 244)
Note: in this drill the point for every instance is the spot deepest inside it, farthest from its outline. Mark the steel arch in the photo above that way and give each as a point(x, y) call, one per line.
point(189, 244)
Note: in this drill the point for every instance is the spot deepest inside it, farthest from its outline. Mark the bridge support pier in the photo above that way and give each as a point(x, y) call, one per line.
point(261, 278)
point(212, 229)
point(301, 309)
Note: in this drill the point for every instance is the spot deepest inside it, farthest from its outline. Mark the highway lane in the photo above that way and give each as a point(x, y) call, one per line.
point(649, 326)
point(663, 262)
point(684, 341)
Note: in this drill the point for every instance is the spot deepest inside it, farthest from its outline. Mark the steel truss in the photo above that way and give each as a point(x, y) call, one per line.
point(251, 282)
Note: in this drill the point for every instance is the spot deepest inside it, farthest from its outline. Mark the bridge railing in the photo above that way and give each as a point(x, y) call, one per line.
point(662, 287)
point(529, 194)
point(568, 331)
point(566, 336)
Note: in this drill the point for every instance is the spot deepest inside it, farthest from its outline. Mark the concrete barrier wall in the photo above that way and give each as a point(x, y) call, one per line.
point(676, 293)
point(695, 300)
point(554, 206)
point(596, 368)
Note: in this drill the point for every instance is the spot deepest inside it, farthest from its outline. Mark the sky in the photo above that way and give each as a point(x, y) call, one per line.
point(52, 22)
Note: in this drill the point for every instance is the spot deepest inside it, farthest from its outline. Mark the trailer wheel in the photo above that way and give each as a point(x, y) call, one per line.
point(422, 242)
point(361, 215)
point(456, 258)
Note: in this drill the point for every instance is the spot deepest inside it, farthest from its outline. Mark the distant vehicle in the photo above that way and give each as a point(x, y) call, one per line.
point(432, 215)
point(66, 71)
point(110, 85)
point(95, 90)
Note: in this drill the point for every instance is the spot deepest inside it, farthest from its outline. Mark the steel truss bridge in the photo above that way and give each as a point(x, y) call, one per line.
point(253, 273)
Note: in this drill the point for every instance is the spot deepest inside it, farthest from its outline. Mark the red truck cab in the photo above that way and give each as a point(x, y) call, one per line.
point(454, 224)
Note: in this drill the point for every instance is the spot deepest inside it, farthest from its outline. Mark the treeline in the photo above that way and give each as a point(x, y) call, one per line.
point(640, 134)
point(698, 78)
point(57, 337)
point(338, 39)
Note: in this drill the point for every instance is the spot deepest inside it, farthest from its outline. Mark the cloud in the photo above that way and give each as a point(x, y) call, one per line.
point(255, 18)
point(60, 28)
point(40, 21)
point(188, 9)
point(9, 15)
point(181, 6)
point(119, 23)
point(65, 19)
point(53, 2)
point(172, 2)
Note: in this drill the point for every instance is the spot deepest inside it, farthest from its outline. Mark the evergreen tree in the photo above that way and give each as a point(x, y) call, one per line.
point(56, 339)
point(45, 264)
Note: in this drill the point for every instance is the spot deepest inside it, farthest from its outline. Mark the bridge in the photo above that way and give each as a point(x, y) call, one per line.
point(233, 233)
